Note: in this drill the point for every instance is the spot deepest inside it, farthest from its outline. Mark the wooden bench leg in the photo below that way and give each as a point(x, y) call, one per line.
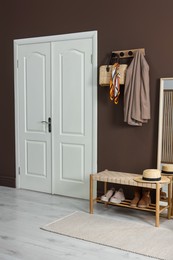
point(105, 190)
point(157, 204)
point(91, 194)
point(170, 198)
point(105, 187)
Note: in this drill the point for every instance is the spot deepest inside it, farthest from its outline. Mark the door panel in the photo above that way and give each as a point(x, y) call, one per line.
point(72, 91)
point(76, 162)
point(34, 87)
point(73, 108)
point(35, 153)
point(34, 107)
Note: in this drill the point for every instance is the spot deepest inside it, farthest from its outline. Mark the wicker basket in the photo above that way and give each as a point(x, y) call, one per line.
point(105, 75)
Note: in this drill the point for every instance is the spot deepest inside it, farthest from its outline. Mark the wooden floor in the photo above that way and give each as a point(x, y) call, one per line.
point(22, 213)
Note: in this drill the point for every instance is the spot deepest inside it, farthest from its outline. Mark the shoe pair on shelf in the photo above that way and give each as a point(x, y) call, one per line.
point(113, 196)
point(142, 198)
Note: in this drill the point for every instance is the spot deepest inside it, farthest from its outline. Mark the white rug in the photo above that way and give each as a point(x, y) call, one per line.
point(134, 237)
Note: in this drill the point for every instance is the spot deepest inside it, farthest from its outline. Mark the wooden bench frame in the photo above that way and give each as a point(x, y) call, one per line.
point(128, 179)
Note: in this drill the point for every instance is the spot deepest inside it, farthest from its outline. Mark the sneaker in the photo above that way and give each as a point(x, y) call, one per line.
point(118, 197)
point(106, 197)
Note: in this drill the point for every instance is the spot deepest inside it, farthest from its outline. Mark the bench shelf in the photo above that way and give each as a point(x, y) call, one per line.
point(126, 204)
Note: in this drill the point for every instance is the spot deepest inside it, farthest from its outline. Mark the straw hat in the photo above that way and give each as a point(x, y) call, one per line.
point(150, 175)
point(167, 169)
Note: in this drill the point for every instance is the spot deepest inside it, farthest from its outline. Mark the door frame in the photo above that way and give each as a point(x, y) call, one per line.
point(80, 35)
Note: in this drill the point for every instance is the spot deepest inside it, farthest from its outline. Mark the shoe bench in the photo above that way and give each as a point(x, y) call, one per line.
point(128, 179)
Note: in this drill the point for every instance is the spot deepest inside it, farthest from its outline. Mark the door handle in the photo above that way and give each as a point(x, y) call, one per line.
point(48, 123)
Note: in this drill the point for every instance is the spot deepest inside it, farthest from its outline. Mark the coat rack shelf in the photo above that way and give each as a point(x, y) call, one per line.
point(127, 53)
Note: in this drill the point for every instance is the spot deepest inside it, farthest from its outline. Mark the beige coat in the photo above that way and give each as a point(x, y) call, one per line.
point(137, 92)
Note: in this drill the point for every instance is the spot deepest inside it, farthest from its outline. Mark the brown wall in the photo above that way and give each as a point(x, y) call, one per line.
point(121, 25)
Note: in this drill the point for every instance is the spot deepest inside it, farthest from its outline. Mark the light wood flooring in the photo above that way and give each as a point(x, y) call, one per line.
point(23, 212)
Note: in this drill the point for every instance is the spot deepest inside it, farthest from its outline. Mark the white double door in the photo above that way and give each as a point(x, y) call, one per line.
point(56, 123)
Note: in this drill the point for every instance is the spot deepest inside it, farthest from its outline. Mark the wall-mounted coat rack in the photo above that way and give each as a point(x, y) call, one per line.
point(105, 71)
point(127, 53)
